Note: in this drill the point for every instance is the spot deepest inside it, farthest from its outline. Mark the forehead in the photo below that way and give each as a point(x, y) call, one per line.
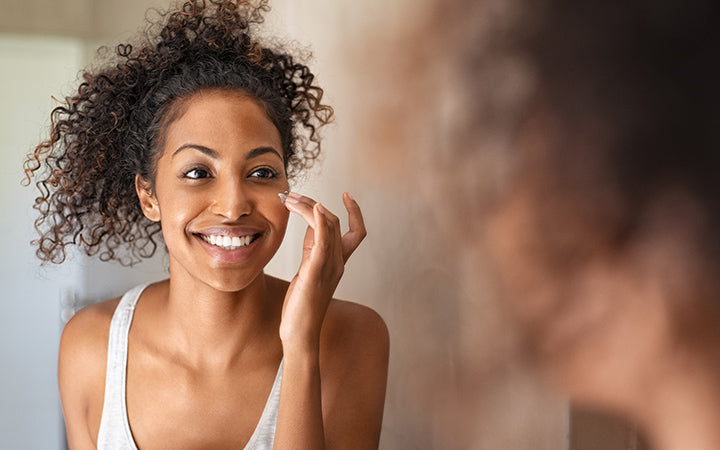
point(222, 120)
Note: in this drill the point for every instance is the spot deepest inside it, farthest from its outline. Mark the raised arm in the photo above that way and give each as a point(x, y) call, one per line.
point(315, 415)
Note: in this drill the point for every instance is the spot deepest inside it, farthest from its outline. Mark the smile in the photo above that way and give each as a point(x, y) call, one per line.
point(228, 242)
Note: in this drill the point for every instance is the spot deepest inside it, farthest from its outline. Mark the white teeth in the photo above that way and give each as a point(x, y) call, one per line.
point(227, 242)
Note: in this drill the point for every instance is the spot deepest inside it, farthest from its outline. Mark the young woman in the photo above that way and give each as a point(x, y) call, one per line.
point(192, 135)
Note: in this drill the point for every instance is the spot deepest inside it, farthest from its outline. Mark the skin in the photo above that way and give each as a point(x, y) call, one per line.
point(628, 329)
point(205, 344)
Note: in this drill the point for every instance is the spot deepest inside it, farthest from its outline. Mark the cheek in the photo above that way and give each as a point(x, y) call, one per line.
point(279, 215)
point(511, 238)
point(528, 287)
point(268, 204)
point(179, 207)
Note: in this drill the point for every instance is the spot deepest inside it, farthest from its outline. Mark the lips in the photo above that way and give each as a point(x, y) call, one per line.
point(228, 242)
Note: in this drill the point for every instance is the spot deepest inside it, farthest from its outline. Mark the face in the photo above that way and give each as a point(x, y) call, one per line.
point(216, 190)
point(598, 317)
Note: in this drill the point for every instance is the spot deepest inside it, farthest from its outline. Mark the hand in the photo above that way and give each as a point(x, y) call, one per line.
point(325, 252)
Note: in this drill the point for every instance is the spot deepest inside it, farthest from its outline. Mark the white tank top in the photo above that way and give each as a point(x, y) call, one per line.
point(115, 431)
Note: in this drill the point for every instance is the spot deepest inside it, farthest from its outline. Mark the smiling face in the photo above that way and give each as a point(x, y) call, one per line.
point(216, 187)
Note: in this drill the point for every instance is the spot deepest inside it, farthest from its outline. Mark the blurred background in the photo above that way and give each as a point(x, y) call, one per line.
point(457, 379)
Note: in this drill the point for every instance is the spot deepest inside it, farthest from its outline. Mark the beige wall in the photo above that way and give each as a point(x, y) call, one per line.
point(87, 19)
point(46, 17)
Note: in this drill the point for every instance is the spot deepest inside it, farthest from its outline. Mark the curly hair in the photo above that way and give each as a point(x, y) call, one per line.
point(112, 128)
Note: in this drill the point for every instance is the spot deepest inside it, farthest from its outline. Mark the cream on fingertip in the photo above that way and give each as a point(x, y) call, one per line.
point(283, 196)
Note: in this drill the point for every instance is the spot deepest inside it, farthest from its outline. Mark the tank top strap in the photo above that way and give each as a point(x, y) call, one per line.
point(114, 426)
point(264, 435)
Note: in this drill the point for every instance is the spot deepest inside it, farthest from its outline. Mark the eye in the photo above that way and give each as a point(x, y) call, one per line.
point(196, 173)
point(263, 173)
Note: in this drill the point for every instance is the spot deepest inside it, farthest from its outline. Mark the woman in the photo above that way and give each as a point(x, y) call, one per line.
point(192, 135)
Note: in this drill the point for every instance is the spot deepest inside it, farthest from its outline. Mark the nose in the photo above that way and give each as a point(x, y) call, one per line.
point(231, 200)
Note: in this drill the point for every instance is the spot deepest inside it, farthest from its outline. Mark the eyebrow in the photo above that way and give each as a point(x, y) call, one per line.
point(254, 153)
point(206, 150)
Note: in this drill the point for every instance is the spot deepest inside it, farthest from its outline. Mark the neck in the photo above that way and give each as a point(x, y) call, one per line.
point(209, 327)
point(681, 408)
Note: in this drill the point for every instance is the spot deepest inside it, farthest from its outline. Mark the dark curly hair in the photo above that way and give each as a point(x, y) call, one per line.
point(112, 129)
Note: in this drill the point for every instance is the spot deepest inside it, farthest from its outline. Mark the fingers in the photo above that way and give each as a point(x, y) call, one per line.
point(357, 231)
point(321, 229)
point(316, 216)
point(303, 206)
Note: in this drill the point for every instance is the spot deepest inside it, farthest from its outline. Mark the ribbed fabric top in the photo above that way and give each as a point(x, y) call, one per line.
point(115, 431)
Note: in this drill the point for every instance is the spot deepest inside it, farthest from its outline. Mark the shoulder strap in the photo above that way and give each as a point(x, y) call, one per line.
point(264, 434)
point(114, 425)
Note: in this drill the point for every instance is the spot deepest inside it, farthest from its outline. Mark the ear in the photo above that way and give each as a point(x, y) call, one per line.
point(148, 202)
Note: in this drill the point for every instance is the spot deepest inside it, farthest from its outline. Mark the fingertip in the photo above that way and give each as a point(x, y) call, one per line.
point(320, 219)
point(291, 206)
point(349, 201)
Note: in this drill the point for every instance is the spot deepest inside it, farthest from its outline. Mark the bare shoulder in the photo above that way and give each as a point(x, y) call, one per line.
point(353, 324)
point(81, 370)
point(354, 336)
point(87, 331)
point(354, 352)
point(83, 346)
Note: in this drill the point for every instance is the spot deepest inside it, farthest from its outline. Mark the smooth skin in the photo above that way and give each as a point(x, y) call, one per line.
point(205, 345)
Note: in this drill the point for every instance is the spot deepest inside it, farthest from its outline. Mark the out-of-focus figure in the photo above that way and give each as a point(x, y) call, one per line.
point(606, 237)
point(576, 143)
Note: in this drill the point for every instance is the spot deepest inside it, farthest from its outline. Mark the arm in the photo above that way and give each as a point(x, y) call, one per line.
point(302, 411)
point(81, 374)
point(354, 366)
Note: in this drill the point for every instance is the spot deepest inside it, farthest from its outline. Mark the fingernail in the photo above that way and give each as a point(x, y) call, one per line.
point(320, 208)
point(294, 195)
point(349, 196)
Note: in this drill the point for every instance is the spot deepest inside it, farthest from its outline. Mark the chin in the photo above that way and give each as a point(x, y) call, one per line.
point(588, 375)
point(230, 281)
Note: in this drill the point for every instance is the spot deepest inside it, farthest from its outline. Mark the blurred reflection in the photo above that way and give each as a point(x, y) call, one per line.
point(441, 97)
point(605, 239)
point(574, 143)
